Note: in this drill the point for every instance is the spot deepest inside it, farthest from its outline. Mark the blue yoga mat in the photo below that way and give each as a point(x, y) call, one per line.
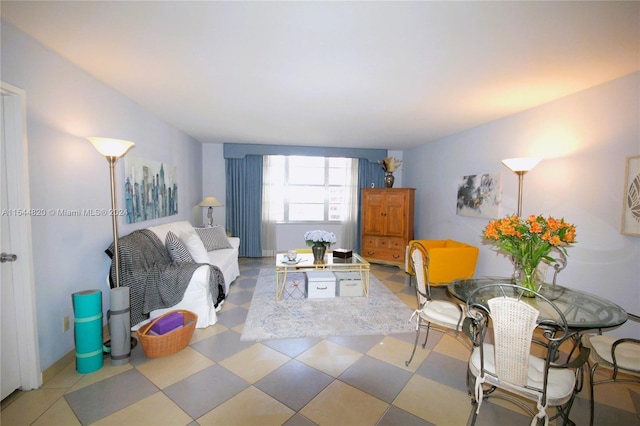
point(87, 308)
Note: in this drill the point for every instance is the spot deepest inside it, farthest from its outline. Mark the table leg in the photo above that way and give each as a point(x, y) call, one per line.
point(279, 286)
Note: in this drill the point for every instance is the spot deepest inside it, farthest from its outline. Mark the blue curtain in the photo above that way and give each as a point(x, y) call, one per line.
point(244, 202)
point(369, 173)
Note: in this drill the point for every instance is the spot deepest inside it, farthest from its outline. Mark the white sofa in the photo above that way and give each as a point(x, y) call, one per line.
point(197, 297)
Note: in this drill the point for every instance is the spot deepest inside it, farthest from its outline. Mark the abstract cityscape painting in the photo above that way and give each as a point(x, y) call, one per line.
point(151, 190)
point(480, 195)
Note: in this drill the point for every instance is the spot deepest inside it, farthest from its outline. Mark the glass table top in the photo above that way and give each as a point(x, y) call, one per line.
point(581, 309)
point(305, 260)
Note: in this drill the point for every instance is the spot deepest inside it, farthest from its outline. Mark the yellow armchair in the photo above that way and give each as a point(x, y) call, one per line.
point(448, 260)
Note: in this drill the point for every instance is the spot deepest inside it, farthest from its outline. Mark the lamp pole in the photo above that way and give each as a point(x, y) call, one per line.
point(520, 174)
point(114, 219)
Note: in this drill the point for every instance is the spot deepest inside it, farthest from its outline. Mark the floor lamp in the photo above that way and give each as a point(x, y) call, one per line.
point(520, 166)
point(210, 202)
point(119, 312)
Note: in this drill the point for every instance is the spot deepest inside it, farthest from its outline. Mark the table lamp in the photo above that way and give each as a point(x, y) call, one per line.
point(210, 202)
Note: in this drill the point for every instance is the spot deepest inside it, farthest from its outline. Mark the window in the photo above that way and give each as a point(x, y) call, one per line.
point(309, 188)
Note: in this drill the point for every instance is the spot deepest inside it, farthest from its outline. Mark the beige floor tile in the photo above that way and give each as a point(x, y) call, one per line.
point(255, 362)
point(29, 406)
point(60, 414)
point(105, 372)
point(157, 409)
point(341, 404)
point(395, 286)
point(329, 357)
point(396, 352)
point(249, 407)
point(616, 395)
point(448, 345)
point(433, 401)
point(408, 299)
point(170, 369)
point(66, 378)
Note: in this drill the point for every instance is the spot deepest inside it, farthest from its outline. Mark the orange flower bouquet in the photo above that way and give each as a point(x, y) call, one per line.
point(530, 241)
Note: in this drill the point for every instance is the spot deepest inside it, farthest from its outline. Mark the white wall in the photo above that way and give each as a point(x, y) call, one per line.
point(214, 181)
point(584, 139)
point(64, 106)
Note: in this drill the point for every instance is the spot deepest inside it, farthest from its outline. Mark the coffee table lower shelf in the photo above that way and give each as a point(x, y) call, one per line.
point(305, 263)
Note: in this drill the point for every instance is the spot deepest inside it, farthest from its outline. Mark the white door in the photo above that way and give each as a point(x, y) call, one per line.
point(20, 363)
point(10, 372)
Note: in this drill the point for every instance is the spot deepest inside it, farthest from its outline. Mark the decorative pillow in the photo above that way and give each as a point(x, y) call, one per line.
point(214, 238)
point(177, 250)
point(195, 247)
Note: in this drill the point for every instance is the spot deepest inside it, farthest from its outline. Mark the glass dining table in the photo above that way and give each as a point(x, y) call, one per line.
point(583, 311)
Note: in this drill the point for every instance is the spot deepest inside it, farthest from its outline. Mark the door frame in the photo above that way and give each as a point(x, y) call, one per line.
point(15, 123)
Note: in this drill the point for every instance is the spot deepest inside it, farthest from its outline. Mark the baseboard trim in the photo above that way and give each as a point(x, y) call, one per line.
point(58, 366)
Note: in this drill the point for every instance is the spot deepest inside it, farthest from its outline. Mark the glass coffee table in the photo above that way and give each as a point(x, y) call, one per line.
point(304, 262)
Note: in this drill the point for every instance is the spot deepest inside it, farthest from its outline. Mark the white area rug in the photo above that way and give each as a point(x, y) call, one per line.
point(380, 313)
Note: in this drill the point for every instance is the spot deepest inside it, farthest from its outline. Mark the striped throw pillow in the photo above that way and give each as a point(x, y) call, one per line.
point(214, 238)
point(177, 250)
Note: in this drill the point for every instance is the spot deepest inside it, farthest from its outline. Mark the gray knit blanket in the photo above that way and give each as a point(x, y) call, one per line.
point(154, 281)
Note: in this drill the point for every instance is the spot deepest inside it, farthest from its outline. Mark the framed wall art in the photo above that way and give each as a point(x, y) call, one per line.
point(480, 195)
point(151, 190)
point(631, 198)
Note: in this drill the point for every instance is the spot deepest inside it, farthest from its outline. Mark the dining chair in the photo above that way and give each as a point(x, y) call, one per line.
point(506, 369)
point(619, 355)
point(443, 315)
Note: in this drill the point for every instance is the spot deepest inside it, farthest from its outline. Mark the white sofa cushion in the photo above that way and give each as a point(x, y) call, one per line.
point(195, 247)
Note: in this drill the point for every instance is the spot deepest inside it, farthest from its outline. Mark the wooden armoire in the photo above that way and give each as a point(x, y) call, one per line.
point(387, 224)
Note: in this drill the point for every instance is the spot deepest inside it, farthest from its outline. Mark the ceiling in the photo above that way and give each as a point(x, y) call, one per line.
point(390, 75)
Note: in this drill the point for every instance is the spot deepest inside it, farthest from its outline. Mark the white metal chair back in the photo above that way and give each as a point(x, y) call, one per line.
point(513, 324)
point(420, 265)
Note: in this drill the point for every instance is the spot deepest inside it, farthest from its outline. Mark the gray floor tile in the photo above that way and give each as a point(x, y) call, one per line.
point(444, 369)
point(202, 392)
point(398, 417)
point(299, 420)
point(491, 414)
point(245, 283)
point(105, 397)
point(377, 378)
point(232, 317)
point(291, 347)
point(221, 346)
point(294, 384)
point(357, 343)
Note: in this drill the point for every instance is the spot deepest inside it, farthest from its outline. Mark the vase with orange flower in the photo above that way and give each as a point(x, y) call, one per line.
point(530, 241)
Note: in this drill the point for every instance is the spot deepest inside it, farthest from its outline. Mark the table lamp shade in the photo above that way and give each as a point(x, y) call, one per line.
point(210, 202)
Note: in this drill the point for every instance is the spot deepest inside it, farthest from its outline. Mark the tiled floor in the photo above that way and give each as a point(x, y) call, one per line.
point(220, 380)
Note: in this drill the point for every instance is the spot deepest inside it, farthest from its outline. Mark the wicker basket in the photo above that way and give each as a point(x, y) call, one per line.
point(171, 342)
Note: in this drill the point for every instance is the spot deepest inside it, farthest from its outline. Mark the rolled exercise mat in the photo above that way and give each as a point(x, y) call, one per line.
point(87, 308)
point(120, 325)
